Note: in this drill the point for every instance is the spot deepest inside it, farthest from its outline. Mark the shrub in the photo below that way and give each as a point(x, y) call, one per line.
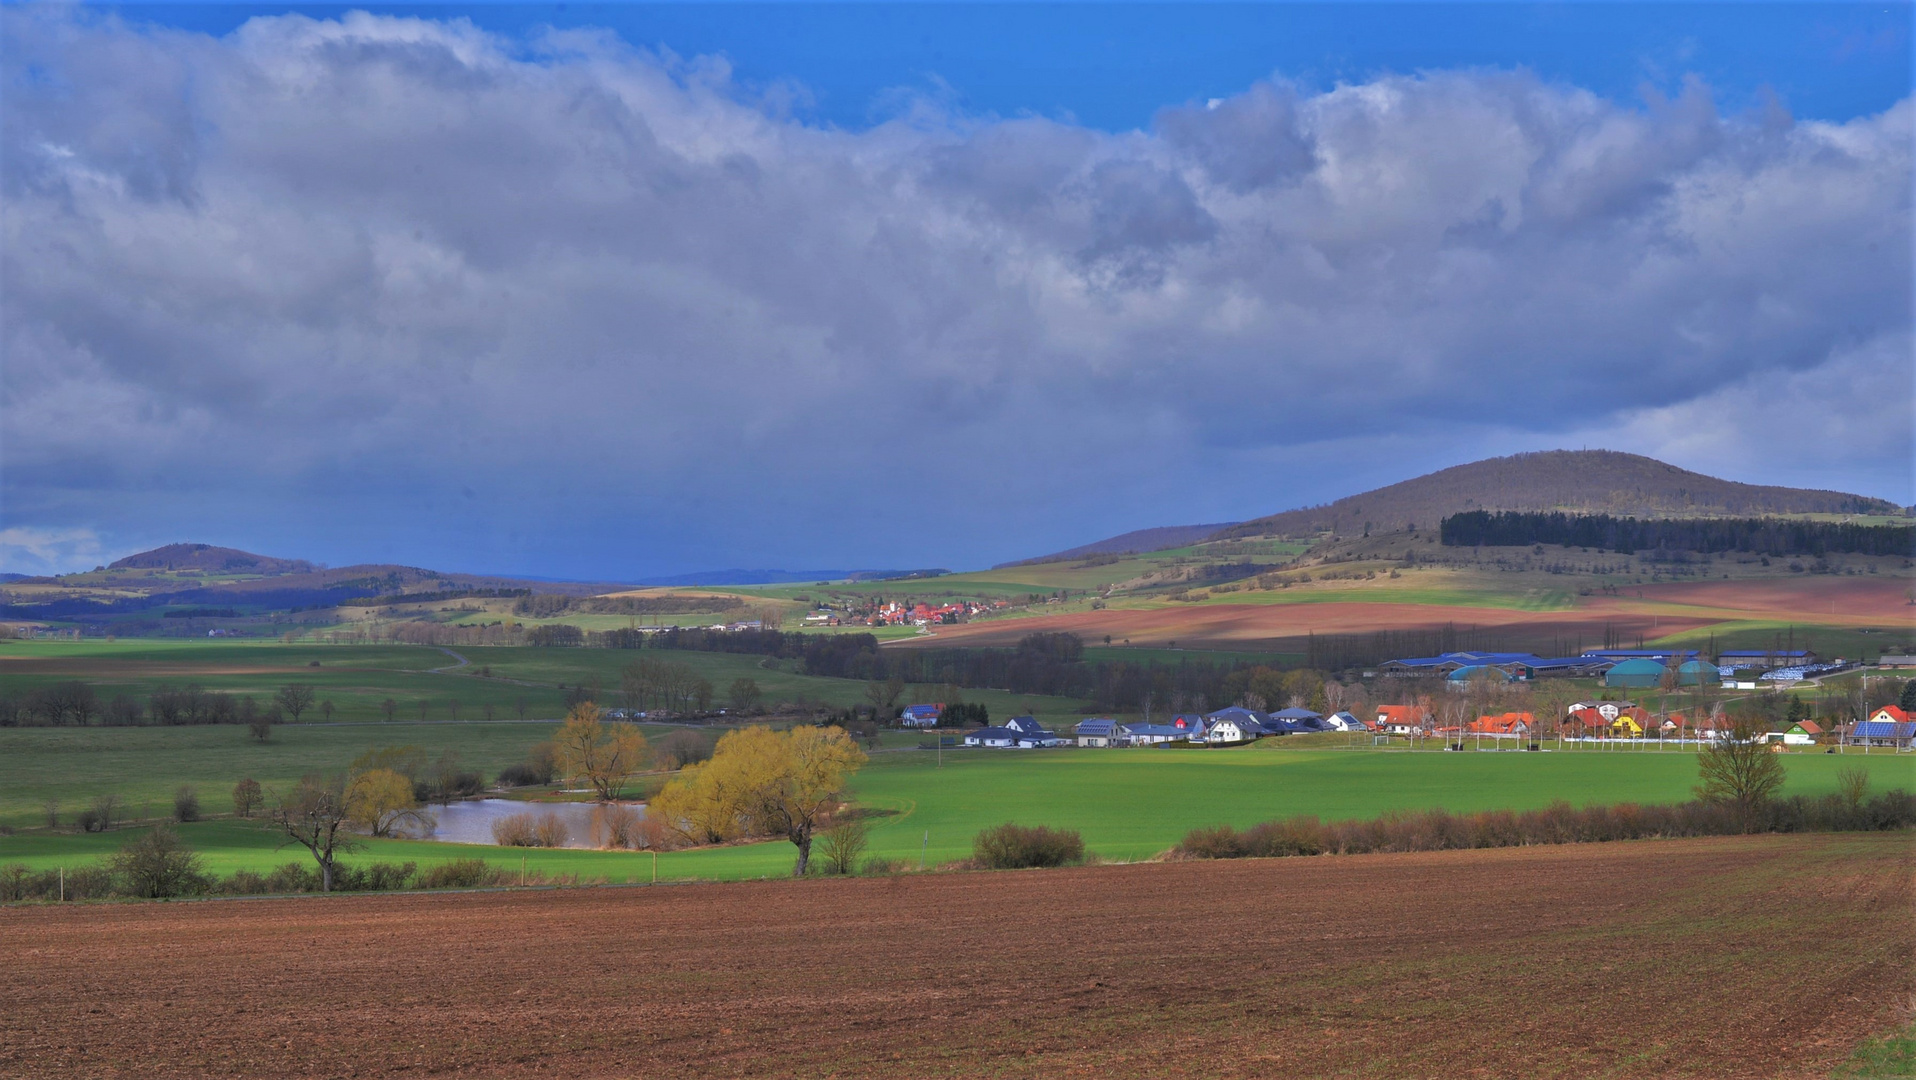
point(1301, 835)
point(877, 867)
point(1212, 842)
point(93, 882)
point(552, 831)
point(516, 830)
point(841, 845)
point(375, 877)
point(291, 878)
point(242, 883)
point(1012, 847)
point(522, 775)
point(621, 825)
point(1558, 823)
point(186, 804)
point(462, 874)
point(159, 865)
point(530, 829)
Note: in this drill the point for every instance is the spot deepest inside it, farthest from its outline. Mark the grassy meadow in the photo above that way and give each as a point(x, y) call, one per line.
point(1128, 804)
point(358, 679)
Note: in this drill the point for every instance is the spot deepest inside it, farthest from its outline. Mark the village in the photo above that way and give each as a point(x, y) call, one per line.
point(1445, 717)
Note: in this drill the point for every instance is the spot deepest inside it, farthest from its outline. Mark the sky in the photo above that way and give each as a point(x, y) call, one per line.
point(626, 291)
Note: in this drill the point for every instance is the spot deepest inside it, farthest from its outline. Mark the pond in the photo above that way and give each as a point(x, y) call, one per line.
point(471, 822)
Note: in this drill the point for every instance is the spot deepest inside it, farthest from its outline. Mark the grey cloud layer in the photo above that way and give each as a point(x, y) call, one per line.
point(350, 262)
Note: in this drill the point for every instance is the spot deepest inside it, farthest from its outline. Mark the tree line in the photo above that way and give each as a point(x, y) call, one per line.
point(1761, 536)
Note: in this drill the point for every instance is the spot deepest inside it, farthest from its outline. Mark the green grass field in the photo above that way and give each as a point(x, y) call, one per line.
point(357, 679)
point(1128, 804)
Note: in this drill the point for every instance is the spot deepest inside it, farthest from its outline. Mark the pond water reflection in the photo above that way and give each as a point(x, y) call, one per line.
point(471, 822)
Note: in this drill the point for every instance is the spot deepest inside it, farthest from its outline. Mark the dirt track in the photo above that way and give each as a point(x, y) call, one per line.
point(1734, 957)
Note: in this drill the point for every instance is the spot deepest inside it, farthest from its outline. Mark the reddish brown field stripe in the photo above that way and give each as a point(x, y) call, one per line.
point(1763, 956)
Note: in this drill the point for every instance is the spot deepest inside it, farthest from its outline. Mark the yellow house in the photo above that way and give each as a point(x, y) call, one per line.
point(1625, 726)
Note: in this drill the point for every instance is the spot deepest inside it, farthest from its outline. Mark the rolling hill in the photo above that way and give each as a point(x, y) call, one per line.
point(1578, 481)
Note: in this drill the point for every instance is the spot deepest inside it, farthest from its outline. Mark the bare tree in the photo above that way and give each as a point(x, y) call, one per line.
point(314, 816)
point(389, 706)
point(295, 698)
point(1738, 767)
point(326, 709)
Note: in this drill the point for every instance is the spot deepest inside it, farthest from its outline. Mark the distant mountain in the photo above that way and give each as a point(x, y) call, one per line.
point(1580, 481)
point(210, 559)
point(1165, 536)
point(1576, 481)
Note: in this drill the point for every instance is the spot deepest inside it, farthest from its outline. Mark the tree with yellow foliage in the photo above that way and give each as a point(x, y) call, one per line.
point(378, 800)
point(761, 782)
point(603, 755)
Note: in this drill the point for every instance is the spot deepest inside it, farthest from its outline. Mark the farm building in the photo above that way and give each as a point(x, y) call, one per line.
point(1100, 731)
point(1765, 658)
point(1895, 660)
point(1463, 676)
point(1641, 672)
point(1698, 673)
point(922, 715)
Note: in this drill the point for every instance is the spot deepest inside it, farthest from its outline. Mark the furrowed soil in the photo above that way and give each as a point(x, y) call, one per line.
point(1732, 957)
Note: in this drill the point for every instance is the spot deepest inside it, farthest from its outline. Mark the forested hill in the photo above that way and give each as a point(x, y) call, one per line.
point(1765, 536)
point(1574, 481)
point(209, 558)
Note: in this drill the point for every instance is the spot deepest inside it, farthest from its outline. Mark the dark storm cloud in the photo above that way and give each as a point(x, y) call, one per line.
point(354, 285)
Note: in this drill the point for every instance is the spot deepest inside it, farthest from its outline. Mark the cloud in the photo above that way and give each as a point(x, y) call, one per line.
point(25, 550)
point(397, 288)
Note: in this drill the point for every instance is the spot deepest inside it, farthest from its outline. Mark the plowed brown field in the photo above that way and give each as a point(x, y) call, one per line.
point(1758, 957)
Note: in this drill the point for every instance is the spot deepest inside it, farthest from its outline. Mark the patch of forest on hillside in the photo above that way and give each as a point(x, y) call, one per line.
point(1762, 536)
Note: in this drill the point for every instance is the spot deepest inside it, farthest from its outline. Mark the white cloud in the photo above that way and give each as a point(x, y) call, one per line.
point(25, 550)
point(382, 287)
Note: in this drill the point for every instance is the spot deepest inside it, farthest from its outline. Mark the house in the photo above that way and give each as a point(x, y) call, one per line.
point(1510, 723)
point(1026, 724)
point(1233, 730)
point(1285, 721)
point(1343, 721)
point(1006, 738)
point(992, 736)
point(1190, 726)
point(922, 716)
point(1248, 723)
point(1402, 719)
point(1887, 726)
point(1613, 719)
point(1155, 734)
point(1101, 731)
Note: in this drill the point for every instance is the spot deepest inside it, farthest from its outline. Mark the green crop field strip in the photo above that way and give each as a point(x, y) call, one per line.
point(357, 679)
point(1129, 804)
